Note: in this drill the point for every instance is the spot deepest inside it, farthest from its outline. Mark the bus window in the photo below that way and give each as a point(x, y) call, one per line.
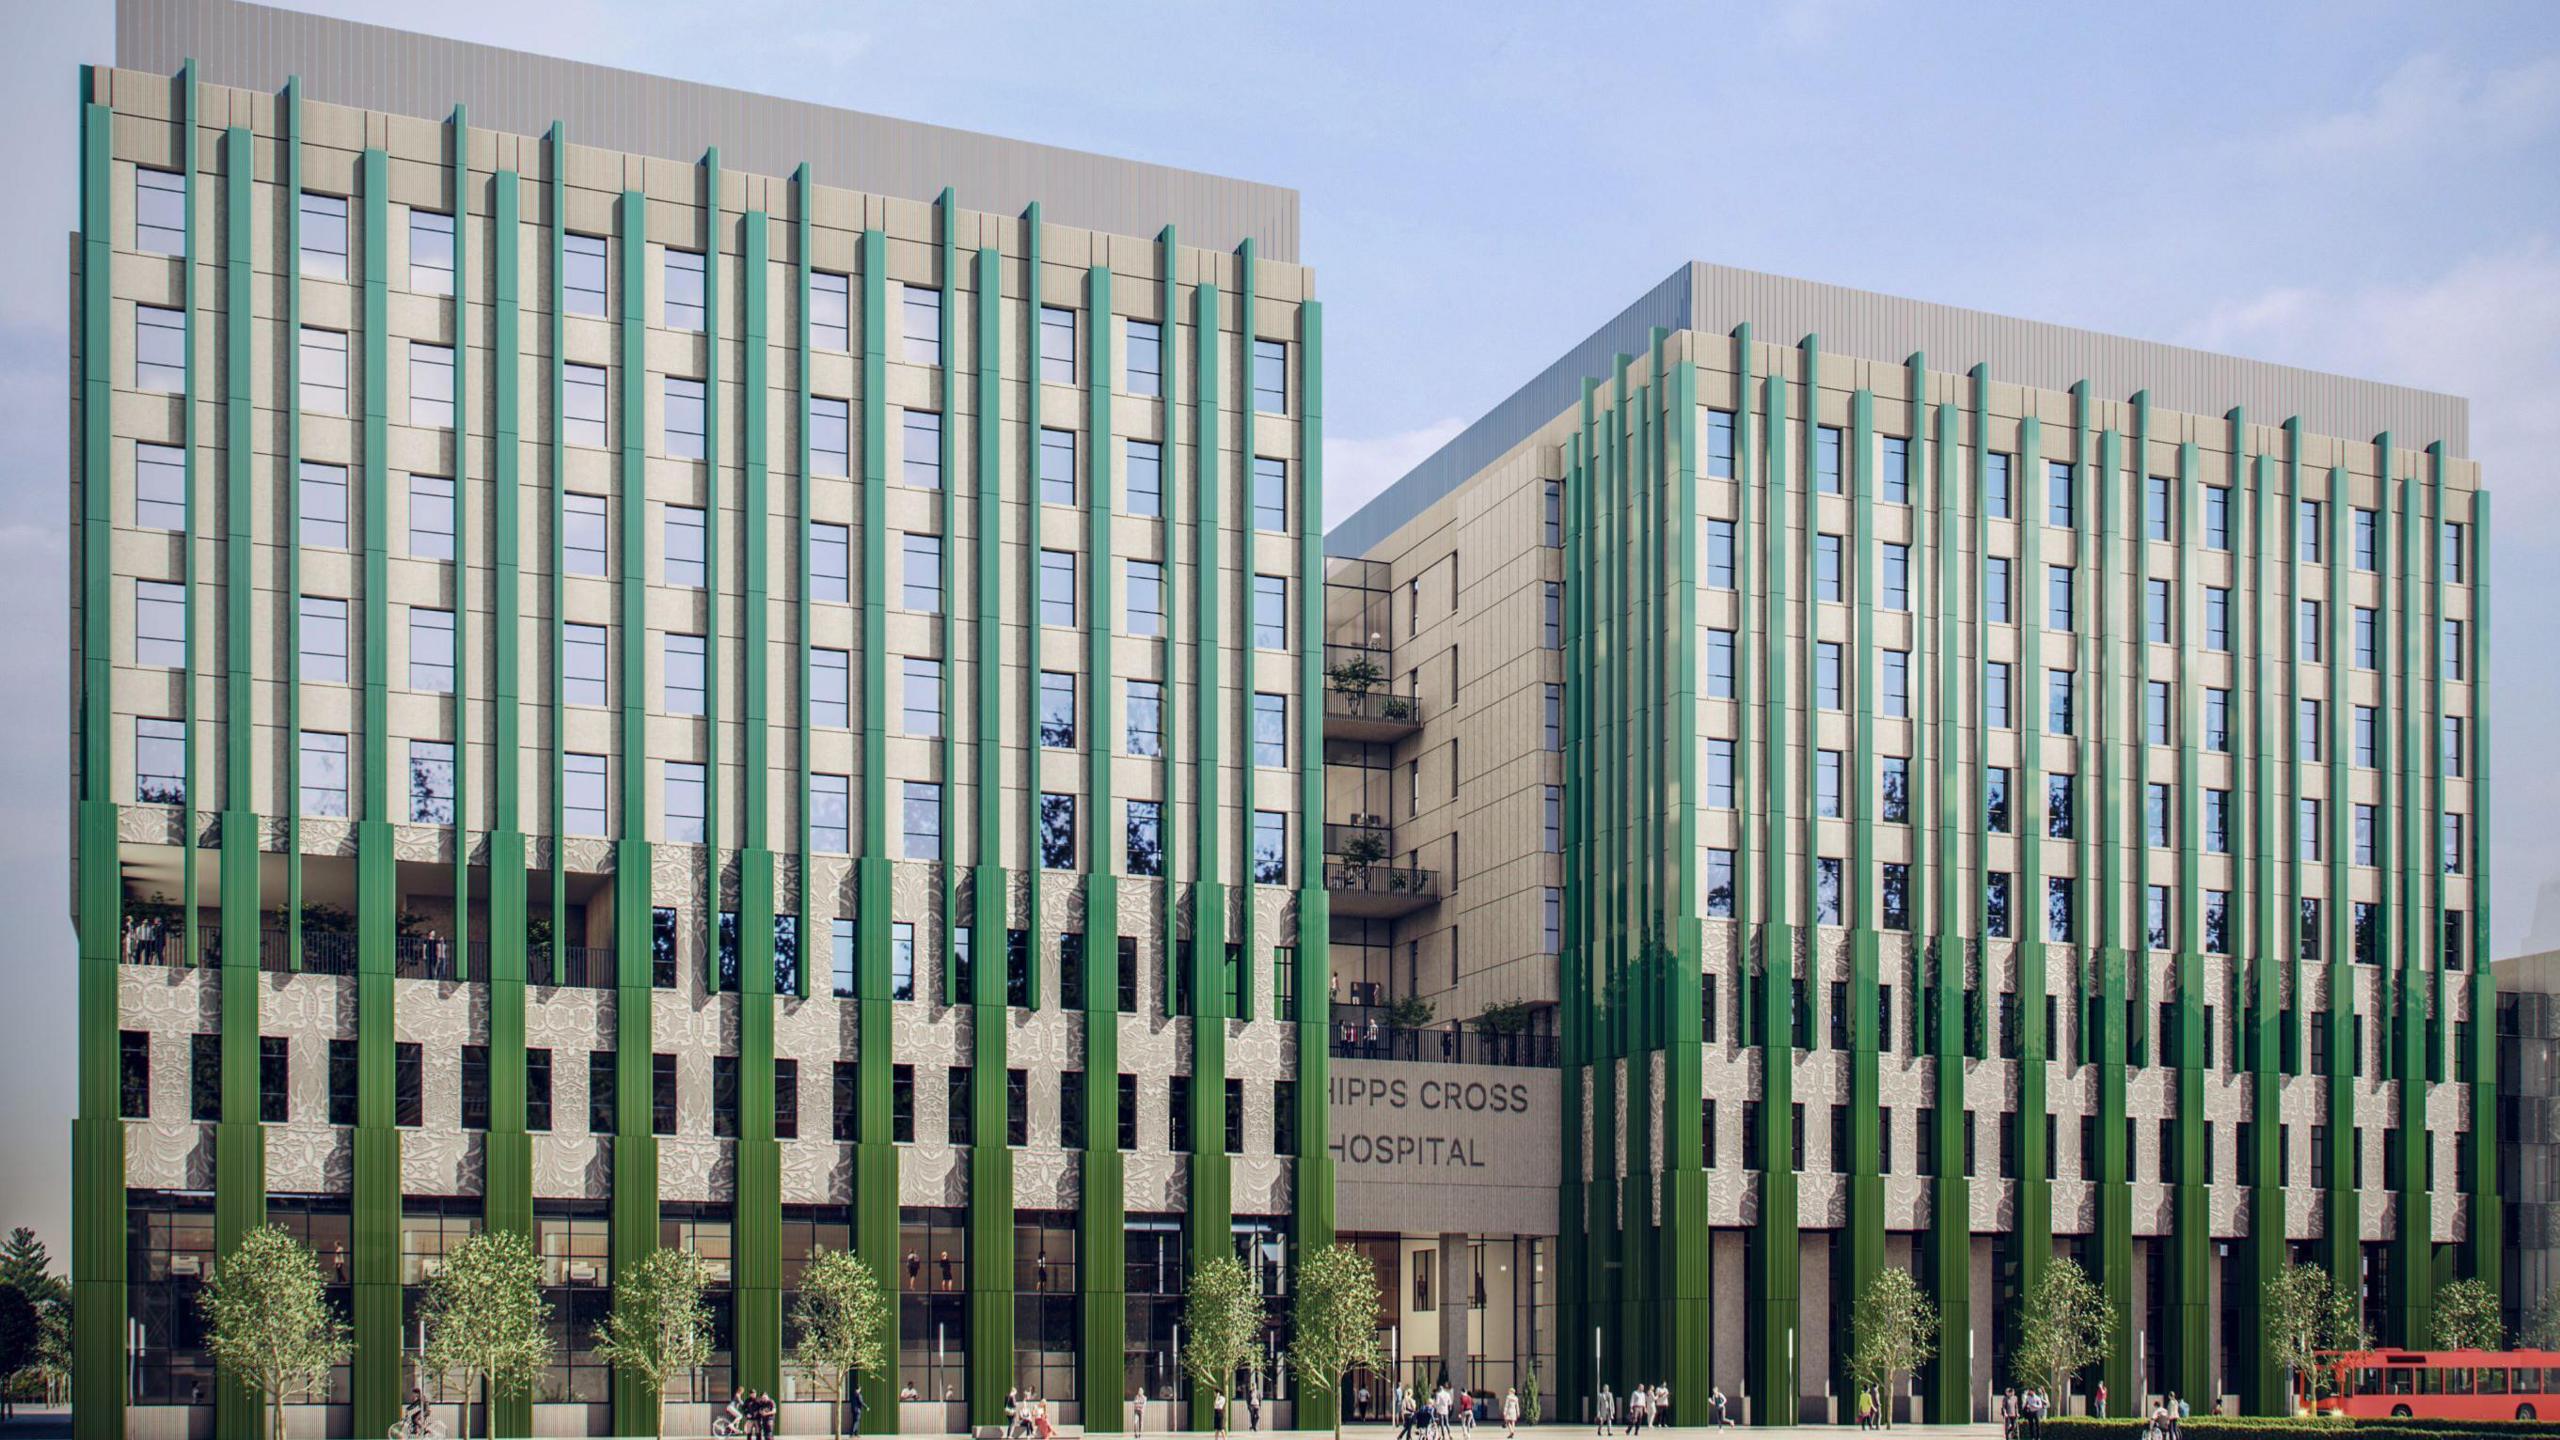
point(2431, 1382)
point(2457, 1381)
point(2369, 1380)
point(2493, 1381)
point(2529, 1381)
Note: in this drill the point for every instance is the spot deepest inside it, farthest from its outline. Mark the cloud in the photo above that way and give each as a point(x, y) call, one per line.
point(2426, 105)
point(1355, 471)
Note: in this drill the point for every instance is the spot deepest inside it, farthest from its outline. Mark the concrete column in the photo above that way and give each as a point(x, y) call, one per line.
point(1457, 1294)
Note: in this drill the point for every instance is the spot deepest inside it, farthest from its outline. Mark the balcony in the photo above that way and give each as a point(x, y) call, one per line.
point(1357, 703)
point(584, 967)
point(1378, 890)
point(1364, 1032)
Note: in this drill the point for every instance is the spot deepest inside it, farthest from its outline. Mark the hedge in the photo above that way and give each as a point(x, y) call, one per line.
point(2261, 1427)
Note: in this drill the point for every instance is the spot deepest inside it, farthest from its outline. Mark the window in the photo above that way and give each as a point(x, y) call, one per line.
point(920, 695)
point(2217, 937)
point(582, 535)
point(1551, 514)
point(786, 1099)
point(1995, 903)
point(1828, 766)
point(830, 311)
point(1826, 675)
point(1720, 659)
point(1995, 799)
point(2061, 509)
point(2449, 550)
point(601, 1117)
point(1271, 377)
point(2307, 626)
point(828, 831)
point(430, 782)
point(1058, 587)
point(1720, 554)
point(1551, 615)
point(1826, 459)
point(1270, 612)
point(1897, 577)
point(2368, 637)
point(582, 404)
point(1057, 710)
point(2058, 606)
point(323, 500)
point(2155, 815)
point(2057, 685)
point(920, 819)
point(2155, 611)
point(582, 794)
point(681, 793)
point(1144, 840)
point(1128, 1109)
point(1996, 501)
point(1057, 345)
point(408, 1080)
point(159, 212)
point(1270, 729)
point(902, 960)
point(2217, 719)
point(431, 385)
point(2058, 897)
point(902, 1104)
point(324, 236)
point(2155, 508)
point(683, 280)
point(830, 437)
point(2453, 746)
point(1146, 358)
point(2155, 712)
point(1146, 597)
point(2368, 542)
point(2217, 517)
point(1826, 899)
point(2311, 742)
point(582, 274)
point(2217, 822)
point(430, 517)
point(684, 544)
point(159, 623)
point(2058, 810)
point(681, 422)
point(2156, 916)
point(1017, 1107)
point(2453, 649)
point(1057, 467)
point(2307, 820)
point(1996, 687)
point(1143, 464)
point(323, 357)
point(1720, 774)
point(1896, 779)
point(1896, 683)
point(1720, 884)
point(1270, 847)
point(582, 673)
point(159, 762)
point(662, 1096)
point(1144, 715)
point(1720, 444)
point(2368, 736)
point(324, 774)
point(920, 579)
point(475, 1087)
point(1897, 470)
point(1270, 494)
point(323, 650)
point(1552, 819)
point(1057, 831)
point(2364, 834)
point(1827, 564)
point(1071, 1110)
point(431, 651)
point(921, 441)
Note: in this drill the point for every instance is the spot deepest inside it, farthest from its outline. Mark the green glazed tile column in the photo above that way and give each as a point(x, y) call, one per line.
point(1686, 1314)
point(2260, 1382)
point(1773, 1250)
point(1209, 1221)
point(2484, 1220)
point(1945, 1251)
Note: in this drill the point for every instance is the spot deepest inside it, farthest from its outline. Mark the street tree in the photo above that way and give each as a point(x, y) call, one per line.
point(2542, 1327)
point(2305, 1311)
point(1333, 1322)
point(844, 1318)
point(486, 1321)
point(268, 1321)
point(1221, 1320)
point(659, 1328)
point(2062, 1329)
point(21, 1340)
point(1891, 1331)
point(2468, 1317)
point(25, 1263)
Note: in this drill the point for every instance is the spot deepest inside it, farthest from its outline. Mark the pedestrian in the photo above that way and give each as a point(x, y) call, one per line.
point(1218, 1414)
point(1467, 1411)
point(1715, 1406)
point(2098, 1401)
point(1253, 1402)
point(1404, 1413)
point(1604, 1407)
point(1138, 1411)
point(1661, 1404)
point(858, 1406)
point(2177, 1414)
point(1510, 1412)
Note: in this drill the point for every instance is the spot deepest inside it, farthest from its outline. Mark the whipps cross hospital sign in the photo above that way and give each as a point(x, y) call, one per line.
point(1436, 1149)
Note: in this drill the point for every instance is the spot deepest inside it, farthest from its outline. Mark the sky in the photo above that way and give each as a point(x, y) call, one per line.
point(2365, 188)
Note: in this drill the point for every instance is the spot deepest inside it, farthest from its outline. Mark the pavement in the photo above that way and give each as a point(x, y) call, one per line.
point(41, 1422)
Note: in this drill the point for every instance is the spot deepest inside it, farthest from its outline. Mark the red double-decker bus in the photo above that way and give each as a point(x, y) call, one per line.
point(2439, 1384)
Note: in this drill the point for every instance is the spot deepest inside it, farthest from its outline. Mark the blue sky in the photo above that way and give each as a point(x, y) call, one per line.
point(2366, 188)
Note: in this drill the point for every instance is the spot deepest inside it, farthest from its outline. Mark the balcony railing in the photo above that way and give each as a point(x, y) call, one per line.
point(426, 957)
point(324, 952)
point(164, 942)
point(586, 967)
point(1360, 1032)
point(1386, 710)
point(1380, 878)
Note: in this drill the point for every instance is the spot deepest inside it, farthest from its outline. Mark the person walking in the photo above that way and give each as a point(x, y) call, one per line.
point(2177, 1415)
point(1218, 1415)
point(1253, 1402)
point(1403, 1404)
point(1138, 1412)
point(1604, 1407)
point(1716, 1406)
point(2098, 1401)
point(1467, 1412)
point(1661, 1404)
point(1510, 1412)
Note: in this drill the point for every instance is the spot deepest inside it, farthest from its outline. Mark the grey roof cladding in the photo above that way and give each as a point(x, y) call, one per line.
point(1714, 299)
point(373, 67)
